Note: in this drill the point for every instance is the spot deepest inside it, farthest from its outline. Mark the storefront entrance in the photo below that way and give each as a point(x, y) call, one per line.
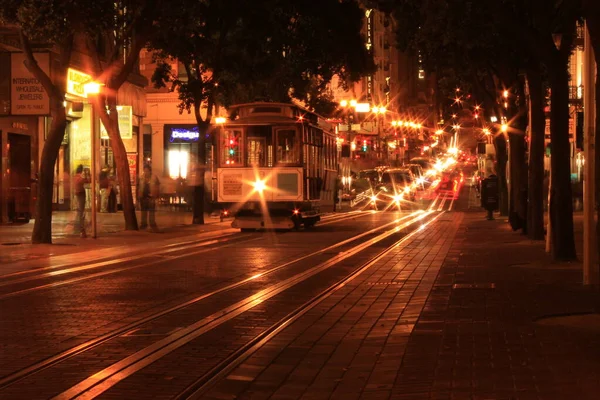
point(19, 205)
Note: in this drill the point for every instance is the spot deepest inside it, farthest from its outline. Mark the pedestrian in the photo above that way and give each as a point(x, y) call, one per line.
point(104, 190)
point(82, 177)
point(148, 190)
point(112, 195)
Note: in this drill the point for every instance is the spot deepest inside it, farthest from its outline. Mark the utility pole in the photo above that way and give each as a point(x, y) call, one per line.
point(590, 266)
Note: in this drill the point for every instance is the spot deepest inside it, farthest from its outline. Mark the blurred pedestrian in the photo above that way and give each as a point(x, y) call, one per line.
point(82, 177)
point(104, 190)
point(148, 190)
point(112, 195)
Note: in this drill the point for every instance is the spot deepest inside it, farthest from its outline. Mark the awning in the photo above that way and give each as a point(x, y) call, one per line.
point(135, 96)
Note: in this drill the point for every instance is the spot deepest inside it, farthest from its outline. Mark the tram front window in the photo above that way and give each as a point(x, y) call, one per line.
point(287, 151)
point(259, 147)
point(231, 155)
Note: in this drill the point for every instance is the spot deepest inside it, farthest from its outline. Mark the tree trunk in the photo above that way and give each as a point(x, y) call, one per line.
point(518, 188)
point(199, 189)
point(561, 203)
point(592, 19)
point(111, 124)
point(501, 158)
point(537, 127)
point(42, 227)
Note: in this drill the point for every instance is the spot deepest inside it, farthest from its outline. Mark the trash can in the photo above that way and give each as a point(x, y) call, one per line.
point(19, 204)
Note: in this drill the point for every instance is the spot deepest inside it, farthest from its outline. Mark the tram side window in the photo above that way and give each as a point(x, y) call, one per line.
point(231, 152)
point(287, 148)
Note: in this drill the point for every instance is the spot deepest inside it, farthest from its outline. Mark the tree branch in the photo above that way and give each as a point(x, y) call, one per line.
point(32, 65)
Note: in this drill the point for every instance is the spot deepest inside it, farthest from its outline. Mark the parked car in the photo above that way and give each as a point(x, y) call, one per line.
point(396, 185)
point(419, 175)
point(425, 162)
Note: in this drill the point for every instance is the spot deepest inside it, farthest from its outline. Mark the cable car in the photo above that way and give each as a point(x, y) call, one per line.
point(276, 166)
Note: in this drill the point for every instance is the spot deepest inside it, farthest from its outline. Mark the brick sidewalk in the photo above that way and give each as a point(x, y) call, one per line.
point(453, 315)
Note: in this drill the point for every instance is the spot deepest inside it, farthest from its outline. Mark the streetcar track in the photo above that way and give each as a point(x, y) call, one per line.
point(57, 358)
point(205, 382)
point(162, 253)
point(109, 376)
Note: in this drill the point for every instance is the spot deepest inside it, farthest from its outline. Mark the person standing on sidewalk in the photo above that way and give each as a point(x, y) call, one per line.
point(81, 178)
point(148, 193)
point(104, 190)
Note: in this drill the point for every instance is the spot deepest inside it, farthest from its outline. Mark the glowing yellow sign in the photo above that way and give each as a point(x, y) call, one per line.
point(76, 81)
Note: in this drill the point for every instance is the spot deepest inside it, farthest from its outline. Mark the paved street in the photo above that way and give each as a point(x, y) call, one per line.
point(429, 303)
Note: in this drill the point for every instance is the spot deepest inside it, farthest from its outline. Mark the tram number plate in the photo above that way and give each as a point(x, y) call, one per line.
point(232, 184)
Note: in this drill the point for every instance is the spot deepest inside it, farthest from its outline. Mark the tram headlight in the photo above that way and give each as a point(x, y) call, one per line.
point(397, 198)
point(373, 199)
point(259, 186)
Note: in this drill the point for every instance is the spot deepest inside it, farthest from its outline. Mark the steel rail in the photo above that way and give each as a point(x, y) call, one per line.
point(57, 358)
point(172, 248)
point(204, 383)
point(103, 380)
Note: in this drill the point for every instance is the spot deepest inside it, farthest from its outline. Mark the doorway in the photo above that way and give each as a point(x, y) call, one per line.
point(19, 177)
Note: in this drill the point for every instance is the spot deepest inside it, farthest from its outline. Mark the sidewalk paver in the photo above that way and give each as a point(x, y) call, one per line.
point(459, 313)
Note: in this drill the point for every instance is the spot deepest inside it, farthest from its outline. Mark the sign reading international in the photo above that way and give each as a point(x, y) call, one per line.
point(27, 94)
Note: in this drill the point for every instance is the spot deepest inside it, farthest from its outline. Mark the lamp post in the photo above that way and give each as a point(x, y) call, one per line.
point(93, 88)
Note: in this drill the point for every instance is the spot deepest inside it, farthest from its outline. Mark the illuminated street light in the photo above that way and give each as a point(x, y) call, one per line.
point(353, 103)
point(505, 94)
point(504, 127)
point(344, 103)
point(486, 131)
point(93, 88)
point(375, 109)
point(220, 120)
point(439, 132)
point(362, 107)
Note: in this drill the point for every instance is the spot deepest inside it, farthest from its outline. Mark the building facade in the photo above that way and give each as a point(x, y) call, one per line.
point(25, 122)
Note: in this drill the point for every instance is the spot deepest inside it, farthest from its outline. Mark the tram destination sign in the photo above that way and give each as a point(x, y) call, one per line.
point(232, 184)
point(27, 94)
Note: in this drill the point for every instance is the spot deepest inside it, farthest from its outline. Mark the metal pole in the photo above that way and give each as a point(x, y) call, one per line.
point(93, 170)
point(590, 268)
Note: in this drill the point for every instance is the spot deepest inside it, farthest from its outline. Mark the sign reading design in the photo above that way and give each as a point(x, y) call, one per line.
point(184, 134)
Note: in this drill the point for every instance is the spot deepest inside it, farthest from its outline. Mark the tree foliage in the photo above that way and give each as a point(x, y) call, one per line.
point(236, 51)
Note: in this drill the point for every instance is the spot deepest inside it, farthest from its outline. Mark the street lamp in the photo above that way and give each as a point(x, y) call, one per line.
point(93, 88)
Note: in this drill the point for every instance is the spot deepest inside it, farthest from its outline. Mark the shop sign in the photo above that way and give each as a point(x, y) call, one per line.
point(132, 162)
point(125, 123)
point(184, 134)
point(75, 81)
point(27, 94)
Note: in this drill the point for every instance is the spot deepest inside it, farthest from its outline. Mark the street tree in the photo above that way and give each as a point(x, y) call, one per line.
point(115, 49)
point(548, 30)
point(591, 13)
point(235, 51)
point(46, 25)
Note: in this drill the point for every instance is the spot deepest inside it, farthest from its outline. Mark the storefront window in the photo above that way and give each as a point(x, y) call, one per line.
point(287, 149)
point(179, 160)
point(179, 141)
point(231, 152)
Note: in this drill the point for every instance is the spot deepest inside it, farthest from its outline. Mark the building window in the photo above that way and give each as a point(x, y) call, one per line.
point(178, 142)
point(179, 161)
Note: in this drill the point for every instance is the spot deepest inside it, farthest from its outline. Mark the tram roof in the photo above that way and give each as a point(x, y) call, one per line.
point(261, 113)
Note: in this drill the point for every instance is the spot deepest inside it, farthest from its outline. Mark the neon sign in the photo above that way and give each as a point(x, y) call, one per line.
point(184, 134)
